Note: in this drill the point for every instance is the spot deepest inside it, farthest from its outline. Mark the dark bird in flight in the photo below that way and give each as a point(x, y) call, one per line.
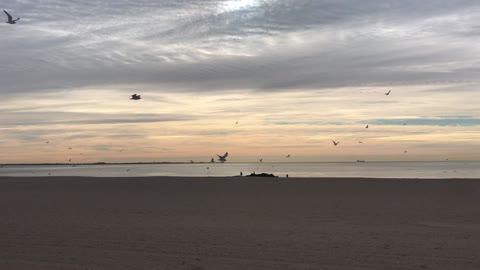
point(236, 123)
point(366, 126)
point(47, 142)
point(10, 18)
point(388, 93)
point(136, 97)
point(335, 143)
point(360, 142)
point(70, 160)
point(223, 158)
point(287, 156)
point(404, 124)
point(261, 160)
point(69, 148)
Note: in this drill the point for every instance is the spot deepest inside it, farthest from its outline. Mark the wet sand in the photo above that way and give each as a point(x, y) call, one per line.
point(238, 223)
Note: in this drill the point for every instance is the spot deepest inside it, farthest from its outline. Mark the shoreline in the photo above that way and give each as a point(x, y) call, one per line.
point(238, 177)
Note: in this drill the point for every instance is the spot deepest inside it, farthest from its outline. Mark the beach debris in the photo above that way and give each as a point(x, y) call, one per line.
point(335, 143)
point(10, 18)
point(261, 175)
point(223, 158)
point(136, 97)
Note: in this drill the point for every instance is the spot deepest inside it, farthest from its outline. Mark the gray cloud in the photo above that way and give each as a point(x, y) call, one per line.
point(197, 45)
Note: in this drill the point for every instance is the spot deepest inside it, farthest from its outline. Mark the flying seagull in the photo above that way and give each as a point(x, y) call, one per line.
point(388, 93)
point(223, 158)
point(261, 160)
point(335, 143)
point(10, 19)
point(360, 142)
point(287, 156)
point(136, 97)
point(366, 126)
point(236, 123)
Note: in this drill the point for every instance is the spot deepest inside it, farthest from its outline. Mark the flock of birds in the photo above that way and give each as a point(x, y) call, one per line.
point(223, 158)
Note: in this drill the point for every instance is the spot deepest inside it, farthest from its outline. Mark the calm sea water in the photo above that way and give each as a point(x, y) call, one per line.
point(470, 169)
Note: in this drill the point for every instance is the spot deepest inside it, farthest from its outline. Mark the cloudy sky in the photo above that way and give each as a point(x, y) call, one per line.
point(294, 74)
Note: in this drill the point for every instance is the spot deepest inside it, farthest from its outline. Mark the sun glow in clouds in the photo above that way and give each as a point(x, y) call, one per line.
point(234, 5)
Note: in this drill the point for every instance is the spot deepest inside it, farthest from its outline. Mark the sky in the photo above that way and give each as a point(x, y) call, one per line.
point(294, 74)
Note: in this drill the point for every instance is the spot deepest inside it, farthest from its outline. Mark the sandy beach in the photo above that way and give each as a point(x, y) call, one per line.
point(239, 223)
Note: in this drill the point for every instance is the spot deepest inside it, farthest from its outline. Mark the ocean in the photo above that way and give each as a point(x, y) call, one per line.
point(445, 169)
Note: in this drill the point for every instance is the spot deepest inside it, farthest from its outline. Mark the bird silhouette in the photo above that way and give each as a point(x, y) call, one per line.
point(360, 142)
point(366, 126)
point(261, 160)
point(10, 18)
point(287, 156)
point(388, 93)
point(335, 143)
point(136, 97)
point(223, 158)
